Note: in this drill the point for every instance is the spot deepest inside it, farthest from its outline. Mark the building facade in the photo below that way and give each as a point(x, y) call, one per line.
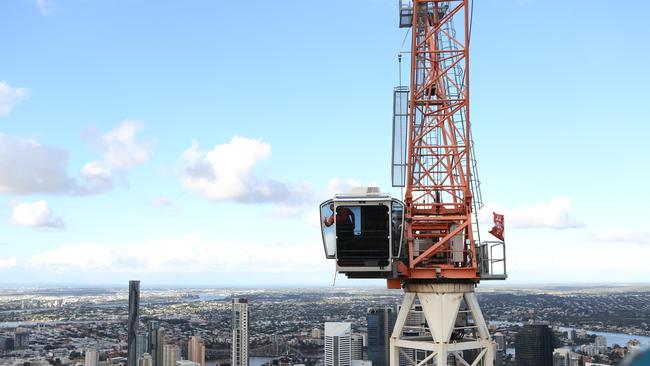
point(196, 350)
point(356, 340)
point(141, 344)
point(380, 327)
point(92, 357)
point(145, 360)
point(171, 354)
point(239, 330)
point(338, 344)
point(534, 345)
point(134, 308)
point(152, 329)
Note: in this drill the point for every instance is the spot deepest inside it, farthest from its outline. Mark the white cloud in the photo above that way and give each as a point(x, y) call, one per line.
point(122, 149)
point(9, 96)
point(27, 167)
point(121, 152)
point(36, 214)
point(6, 263)
point(339, 185)
point(46, 7)
point(622, 236)
point(187, 254)
point(225, 173)
point(555, 214)
point(97, 176)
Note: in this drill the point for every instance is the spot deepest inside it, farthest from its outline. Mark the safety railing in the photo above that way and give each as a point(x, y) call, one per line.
point(492, 260)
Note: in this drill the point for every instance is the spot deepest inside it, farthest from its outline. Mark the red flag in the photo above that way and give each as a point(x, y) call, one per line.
point(498, 228)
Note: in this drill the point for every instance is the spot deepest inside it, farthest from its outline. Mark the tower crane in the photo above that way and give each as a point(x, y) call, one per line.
point(429, 243)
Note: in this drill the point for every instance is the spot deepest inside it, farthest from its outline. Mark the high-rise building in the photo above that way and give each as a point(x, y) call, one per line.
point(145, 360)
point(338, 345)
point(160, 351)
point(196, 350)
point(601, 344)
point(92, 357)
point(134, 307)
point(140, 345)
point(356, 340)
point(21, 338)
point(380, 327)
point(316, 333)
point(156, 342)
point(152, 348)
point(500, 341)
point(171, 354)
point(239, 352)
point(534, 345)
point(564, 357)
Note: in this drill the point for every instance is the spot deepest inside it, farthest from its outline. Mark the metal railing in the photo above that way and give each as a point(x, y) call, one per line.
point(492, 260)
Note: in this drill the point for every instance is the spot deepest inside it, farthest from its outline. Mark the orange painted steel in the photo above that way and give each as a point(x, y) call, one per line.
point(438, 189)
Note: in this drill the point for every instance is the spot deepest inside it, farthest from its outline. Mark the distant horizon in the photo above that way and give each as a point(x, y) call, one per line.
point(9, 285)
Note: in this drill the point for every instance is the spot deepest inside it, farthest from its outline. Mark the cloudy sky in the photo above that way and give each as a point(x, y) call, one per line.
point(190, 144)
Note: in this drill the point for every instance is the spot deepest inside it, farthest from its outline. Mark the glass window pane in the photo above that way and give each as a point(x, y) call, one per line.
point(328, 228)
point(397, 226)
point(362, 235)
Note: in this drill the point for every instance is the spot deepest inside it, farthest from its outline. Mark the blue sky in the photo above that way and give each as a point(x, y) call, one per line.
point(112, 114)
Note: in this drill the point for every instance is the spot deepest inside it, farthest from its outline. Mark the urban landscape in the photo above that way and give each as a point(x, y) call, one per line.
point(252, 327)
point(322, 183)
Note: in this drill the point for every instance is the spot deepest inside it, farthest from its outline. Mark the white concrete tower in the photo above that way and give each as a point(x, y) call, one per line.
point(338, 344)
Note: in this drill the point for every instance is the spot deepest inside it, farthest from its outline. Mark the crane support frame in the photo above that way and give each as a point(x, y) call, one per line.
point(454, 328)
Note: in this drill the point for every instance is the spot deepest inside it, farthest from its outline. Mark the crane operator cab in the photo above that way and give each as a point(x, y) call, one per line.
point(363, 231)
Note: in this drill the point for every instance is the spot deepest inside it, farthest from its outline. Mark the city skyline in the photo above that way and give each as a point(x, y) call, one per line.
point(295, 321)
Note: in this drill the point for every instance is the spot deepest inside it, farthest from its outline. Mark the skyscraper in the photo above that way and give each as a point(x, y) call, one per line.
point(140, 345)
point(145, 360)
point(171, 354)
point(21, 338)
point(160, 351)
point(338, 345)
point(380, 328)
point(534, 346)
point(196, 350)
point(356, 340)
point(92, 357)
point(134, 305)
point(156, 342)
point(239, 352)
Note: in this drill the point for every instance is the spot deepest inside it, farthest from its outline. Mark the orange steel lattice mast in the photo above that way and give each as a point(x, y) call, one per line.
point(442, 196)
point(440, 239)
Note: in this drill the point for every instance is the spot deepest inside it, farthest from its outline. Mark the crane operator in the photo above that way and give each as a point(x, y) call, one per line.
point(344, 219)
